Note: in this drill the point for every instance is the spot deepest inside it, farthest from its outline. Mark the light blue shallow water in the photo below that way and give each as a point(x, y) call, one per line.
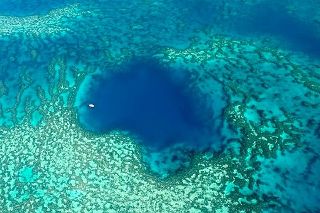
point(27, 8)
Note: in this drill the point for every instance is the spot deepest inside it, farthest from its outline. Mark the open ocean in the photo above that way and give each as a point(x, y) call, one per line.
point(158, 106)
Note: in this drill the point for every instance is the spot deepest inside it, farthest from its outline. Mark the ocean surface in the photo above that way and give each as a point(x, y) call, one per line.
point(159, 106)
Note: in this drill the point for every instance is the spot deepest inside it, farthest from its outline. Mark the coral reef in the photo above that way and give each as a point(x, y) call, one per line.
point(267, 114)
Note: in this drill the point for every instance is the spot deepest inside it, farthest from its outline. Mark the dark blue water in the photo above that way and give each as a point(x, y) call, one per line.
point(151, 101)
point(266, 18)
point(273, 20)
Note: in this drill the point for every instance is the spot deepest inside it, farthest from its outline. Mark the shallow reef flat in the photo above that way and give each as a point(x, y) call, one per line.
point(59, 167)
point(266, 100)
point(41, 25)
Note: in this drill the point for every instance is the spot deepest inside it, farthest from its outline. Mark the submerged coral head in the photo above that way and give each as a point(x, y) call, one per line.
point(150, 100)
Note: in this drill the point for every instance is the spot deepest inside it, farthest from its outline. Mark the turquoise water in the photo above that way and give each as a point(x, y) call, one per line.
point(27, 8)
point(159, 106)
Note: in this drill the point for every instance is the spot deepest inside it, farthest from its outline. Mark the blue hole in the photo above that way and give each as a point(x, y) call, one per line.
point(151, 101)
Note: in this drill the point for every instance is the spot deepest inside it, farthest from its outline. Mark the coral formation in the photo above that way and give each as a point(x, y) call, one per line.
point(267, 114)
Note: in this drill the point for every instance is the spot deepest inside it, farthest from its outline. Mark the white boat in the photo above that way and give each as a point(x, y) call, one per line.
point(91, 105)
